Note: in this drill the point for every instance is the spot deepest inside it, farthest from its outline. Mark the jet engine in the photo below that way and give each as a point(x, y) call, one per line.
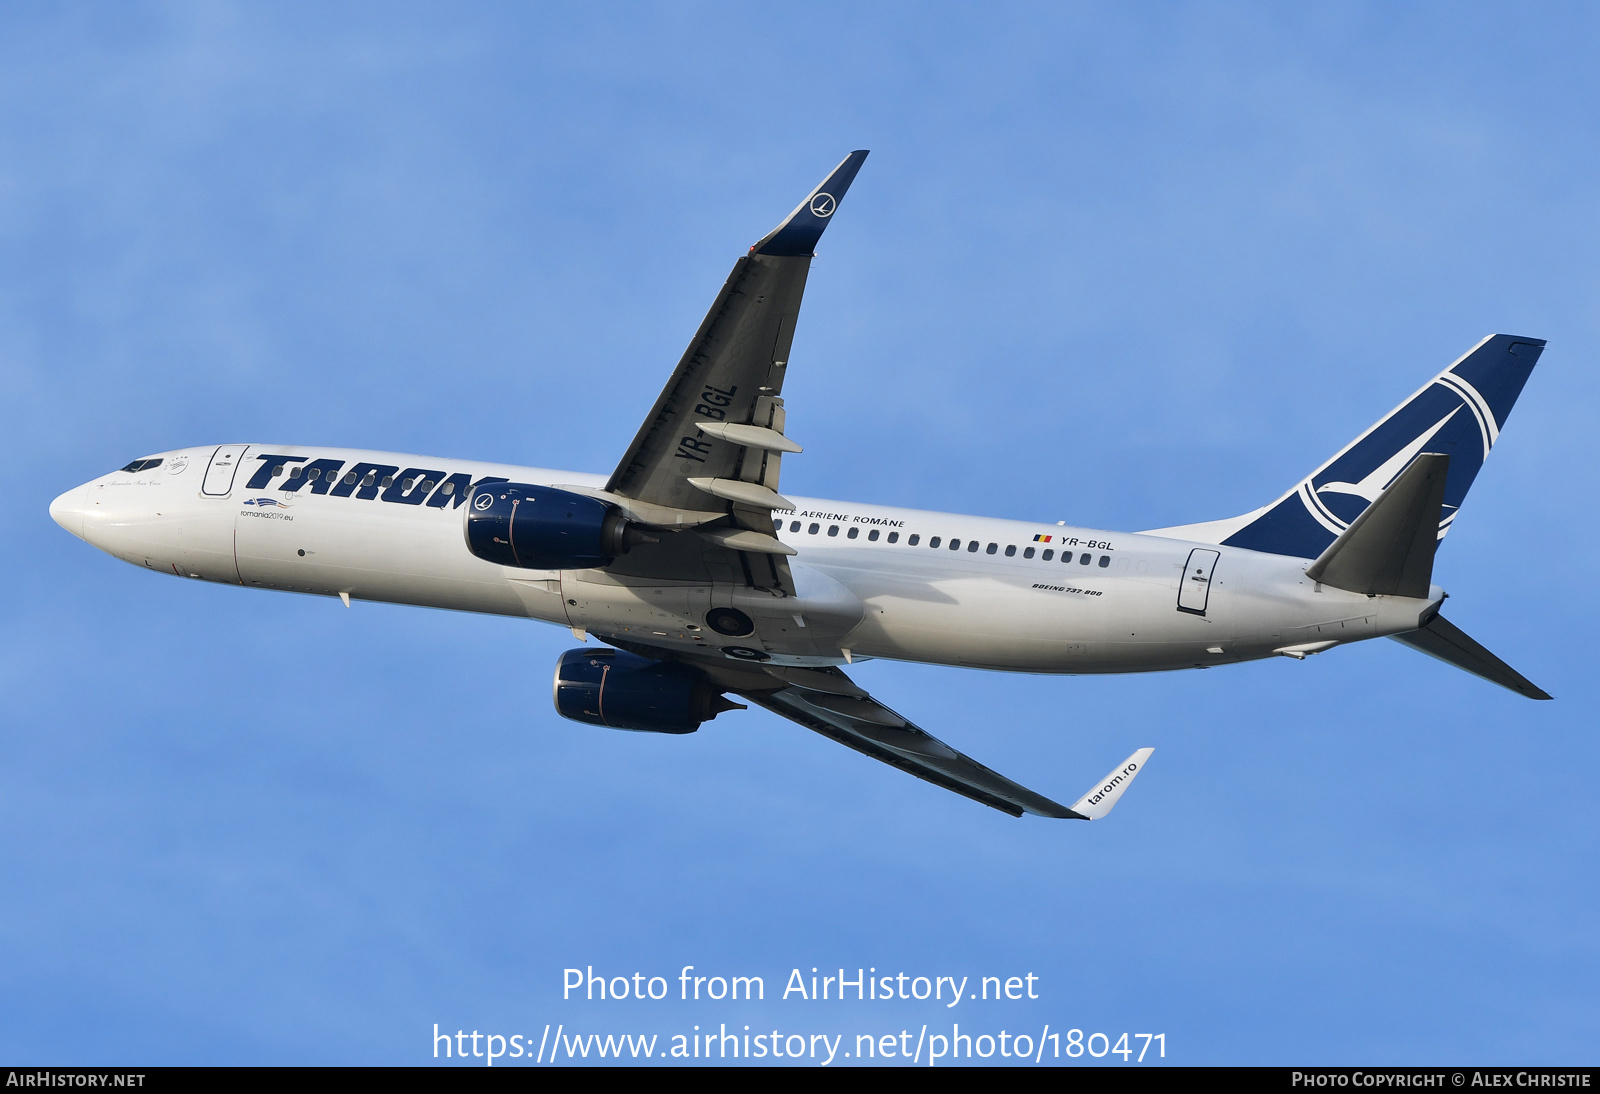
point(542, 528)
point(620, 690)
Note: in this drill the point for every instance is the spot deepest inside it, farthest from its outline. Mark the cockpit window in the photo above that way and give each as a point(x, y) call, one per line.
point(144, 465)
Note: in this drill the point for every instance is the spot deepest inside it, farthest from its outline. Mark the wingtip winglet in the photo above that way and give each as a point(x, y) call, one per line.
point(798, 234)
point(1104, 795)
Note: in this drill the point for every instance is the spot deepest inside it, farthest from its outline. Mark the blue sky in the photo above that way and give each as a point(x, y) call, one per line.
point(1126, 267)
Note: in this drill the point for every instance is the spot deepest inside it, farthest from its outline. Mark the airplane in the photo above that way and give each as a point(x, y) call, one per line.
point(705, 582)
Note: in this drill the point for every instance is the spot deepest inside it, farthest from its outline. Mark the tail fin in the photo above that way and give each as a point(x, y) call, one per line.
point(1459, 413)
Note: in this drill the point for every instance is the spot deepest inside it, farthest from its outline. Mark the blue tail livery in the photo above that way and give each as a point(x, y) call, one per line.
point(1459, 413)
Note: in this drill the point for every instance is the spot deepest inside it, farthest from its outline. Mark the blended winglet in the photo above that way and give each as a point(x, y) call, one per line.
point(1099, 800)
point(798, 234)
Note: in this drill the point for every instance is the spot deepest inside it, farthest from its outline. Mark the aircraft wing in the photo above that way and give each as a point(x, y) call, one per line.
point(830, 703)
point(710, 447)
point(868, 726)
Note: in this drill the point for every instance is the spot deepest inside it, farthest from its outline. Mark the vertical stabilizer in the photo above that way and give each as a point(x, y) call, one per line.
point(1459, 413)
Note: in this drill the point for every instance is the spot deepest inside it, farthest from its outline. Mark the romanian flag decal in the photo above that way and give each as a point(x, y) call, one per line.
point(1041, 539)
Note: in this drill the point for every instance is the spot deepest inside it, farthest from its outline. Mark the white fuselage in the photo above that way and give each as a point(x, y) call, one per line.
point(1030, 597)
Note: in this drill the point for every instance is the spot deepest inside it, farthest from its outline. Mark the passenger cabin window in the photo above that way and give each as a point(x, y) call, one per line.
point(853, 533)
point(833, 529)
point(872, 535)
point(1011, 550)
point(813, 529)
point(388, 481)
point(1027, 552)
point(1084, 560)
point(448, 488)
point(955, 545)
point(993, 547)
point(794, 526)
point(1105, 560)
point(276, 471)
point(934, 542)
point(894, 537)
point(1049, 553)
point(313, 473)
point(296, 472)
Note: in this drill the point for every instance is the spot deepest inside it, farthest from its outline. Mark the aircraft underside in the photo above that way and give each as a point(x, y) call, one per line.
point(706, 582)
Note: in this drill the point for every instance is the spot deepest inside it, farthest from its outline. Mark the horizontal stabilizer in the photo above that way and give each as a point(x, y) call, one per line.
point(1388, 550)
point(1098, 801)
point(1446, 641)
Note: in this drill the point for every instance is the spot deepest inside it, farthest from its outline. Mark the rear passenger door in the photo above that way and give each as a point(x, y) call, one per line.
point(1194, 589)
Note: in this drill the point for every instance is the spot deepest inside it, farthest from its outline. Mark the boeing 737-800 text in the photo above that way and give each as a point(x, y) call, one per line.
point(706, 582)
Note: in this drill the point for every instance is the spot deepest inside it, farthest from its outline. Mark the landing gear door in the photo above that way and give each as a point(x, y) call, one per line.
point(1194, 589)
point(220, 471)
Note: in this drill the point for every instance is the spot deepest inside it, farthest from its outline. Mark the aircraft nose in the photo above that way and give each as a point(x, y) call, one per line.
point(67, 511)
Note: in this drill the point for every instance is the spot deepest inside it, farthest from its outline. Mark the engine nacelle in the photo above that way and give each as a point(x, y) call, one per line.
point(620, 690)
point(542, 528)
